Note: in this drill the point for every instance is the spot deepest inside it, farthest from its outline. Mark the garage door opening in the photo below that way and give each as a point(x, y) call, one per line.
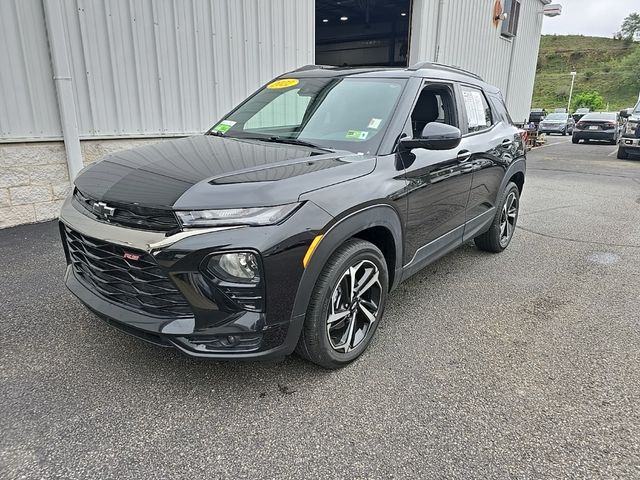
point(357, 33)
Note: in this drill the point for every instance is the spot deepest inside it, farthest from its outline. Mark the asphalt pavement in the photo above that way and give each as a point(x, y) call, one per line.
point(522, 365)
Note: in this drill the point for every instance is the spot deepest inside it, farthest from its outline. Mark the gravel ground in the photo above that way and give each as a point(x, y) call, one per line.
point(519, 365)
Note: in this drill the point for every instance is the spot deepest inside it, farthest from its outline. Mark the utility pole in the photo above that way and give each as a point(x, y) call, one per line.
point(573, 79)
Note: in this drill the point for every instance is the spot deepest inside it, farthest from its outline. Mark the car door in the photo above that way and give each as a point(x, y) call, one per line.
point(491, 141)
point(438, 181)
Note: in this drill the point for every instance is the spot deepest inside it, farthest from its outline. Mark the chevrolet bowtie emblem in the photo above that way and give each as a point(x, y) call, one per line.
point(102, 210)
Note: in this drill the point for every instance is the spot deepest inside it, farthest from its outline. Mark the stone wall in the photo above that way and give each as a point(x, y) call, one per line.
point(34, 178)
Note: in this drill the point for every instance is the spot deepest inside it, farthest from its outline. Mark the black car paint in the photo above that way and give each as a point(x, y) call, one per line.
point(419, 205)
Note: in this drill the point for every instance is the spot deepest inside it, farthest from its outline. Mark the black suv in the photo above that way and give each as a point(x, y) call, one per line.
point(286, 225)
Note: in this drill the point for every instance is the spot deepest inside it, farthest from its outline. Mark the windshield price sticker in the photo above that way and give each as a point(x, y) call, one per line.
point(224, 126)
point(357, 135)
point(283, 83)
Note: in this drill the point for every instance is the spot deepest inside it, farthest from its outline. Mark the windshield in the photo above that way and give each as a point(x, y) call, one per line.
point(636, 111)
point(337, 113)
point(557, 116)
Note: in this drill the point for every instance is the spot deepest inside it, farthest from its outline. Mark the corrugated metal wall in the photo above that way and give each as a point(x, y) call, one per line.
point(525, 59)
point(28, 106)
point(461, 33)
point(147, 67)
point(167, 67)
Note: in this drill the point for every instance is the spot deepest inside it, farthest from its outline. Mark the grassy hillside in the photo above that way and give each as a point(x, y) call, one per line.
point(602, 64)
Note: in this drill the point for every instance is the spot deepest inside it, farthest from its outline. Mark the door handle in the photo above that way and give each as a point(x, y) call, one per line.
point(506, 143)
point(463, 156)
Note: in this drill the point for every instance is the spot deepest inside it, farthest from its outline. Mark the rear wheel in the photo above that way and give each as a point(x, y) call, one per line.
point(622, 153)
point(499, 235)
point(346, 305)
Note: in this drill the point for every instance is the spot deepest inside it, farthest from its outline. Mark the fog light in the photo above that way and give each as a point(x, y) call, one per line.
point(238, 267)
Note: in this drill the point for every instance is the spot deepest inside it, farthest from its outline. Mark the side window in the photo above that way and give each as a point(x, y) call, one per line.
point(435, 104)
point(500, 109)
point(479, 115)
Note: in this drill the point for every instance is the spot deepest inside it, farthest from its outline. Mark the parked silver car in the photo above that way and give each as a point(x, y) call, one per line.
point(557, 123)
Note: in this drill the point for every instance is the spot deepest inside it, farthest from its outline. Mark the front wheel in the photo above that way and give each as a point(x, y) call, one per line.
point(564, 132)
point(346, 305)
point(499, 235)
point(622, 153)
point(574, 140)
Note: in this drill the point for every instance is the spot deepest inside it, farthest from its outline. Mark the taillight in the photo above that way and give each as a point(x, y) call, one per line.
point(610, 125)
point(580, 125)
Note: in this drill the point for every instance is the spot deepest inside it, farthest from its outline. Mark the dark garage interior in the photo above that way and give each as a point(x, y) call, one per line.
point(362, 32)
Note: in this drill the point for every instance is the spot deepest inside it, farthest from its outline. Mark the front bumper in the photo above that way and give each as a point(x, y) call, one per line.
point(214, 327)
point(629, 142)
point(552, 128)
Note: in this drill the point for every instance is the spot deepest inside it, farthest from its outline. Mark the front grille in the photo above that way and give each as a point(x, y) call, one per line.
point(133, 216)
point(135, 284)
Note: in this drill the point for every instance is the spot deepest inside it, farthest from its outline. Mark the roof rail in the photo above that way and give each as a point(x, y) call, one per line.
point(442, 66)
point(313, 67)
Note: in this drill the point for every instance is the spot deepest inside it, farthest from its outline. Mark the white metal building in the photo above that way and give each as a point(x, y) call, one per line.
point(99, 74)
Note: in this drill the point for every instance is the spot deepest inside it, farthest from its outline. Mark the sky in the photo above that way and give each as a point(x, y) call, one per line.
point(596, 18)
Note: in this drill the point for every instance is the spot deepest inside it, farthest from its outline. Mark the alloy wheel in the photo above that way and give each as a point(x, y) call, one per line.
point(508, 219)
point(355, 303)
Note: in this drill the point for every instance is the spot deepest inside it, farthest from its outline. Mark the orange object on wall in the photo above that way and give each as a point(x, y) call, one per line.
point(497, 11)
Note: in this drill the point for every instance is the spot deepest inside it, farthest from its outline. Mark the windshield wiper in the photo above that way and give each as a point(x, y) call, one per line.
point(288, 140)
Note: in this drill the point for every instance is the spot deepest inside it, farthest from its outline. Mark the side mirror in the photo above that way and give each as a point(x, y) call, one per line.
point(435, 136)
point(624, 113)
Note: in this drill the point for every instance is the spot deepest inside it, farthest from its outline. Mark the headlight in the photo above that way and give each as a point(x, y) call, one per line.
point(630, 127)
point(238, 267)
point(236, 216)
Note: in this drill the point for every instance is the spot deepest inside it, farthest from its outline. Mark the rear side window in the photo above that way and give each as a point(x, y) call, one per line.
point(479, 115)
point(500, 110)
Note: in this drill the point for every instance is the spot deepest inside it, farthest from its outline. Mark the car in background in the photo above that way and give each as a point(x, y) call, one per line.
point(536, 115)
point(629, 141)
point(579, 113)
point(603, 126)
point(561, 123)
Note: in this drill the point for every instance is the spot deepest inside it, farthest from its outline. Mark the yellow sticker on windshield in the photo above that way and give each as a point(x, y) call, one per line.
point(283, 83)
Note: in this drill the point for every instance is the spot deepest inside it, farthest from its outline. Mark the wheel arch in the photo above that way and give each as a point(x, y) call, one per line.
point(515, 173)
point(378, 224)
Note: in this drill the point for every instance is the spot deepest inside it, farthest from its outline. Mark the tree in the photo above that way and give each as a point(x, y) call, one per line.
point(631, 25)
point(631, 67)
point(592, 100)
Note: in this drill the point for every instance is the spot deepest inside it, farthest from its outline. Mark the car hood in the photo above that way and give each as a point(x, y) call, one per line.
point(207, 171)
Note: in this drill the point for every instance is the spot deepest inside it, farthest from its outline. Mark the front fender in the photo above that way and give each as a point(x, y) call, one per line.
point(380, 215)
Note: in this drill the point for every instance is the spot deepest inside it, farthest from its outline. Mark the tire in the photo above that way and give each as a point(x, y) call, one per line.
point(574, 140)
point(335, 344)
point(564, 132)
point(622, 153)
point(499, 235)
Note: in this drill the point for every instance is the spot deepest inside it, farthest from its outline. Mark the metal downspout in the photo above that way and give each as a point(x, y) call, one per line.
point(62, 80)
point(436, 53)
